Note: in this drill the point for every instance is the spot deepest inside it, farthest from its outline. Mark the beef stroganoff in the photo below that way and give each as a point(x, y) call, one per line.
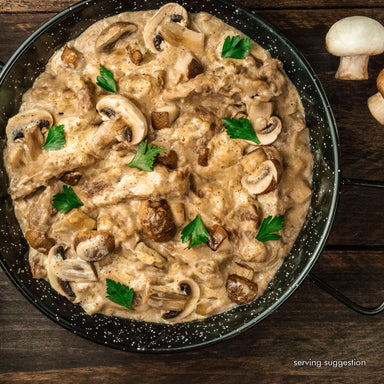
point(160, 167)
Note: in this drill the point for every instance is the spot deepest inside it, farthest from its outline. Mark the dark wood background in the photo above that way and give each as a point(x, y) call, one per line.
point(310, 325)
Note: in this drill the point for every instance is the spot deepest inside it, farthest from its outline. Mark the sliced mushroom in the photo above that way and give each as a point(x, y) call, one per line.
point(271, 132)
point(216, 236)
point(55, 257)
point(149, 256)
point(93, 245)
point(178, 35)
point(112, 33)
point(253, 160)
point(259, 113)
point(76, 270)
point(192, 291)
point(169, 13)
point(39, 241)
point(241, 290)
point(27, 128)
point(19, 124)
point(264, 179)
point(115, 107)
point(176, 305)
point(156, 220)
point(266, 126)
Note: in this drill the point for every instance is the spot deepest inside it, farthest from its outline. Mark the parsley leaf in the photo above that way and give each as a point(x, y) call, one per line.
point(67, 200)
point(195, 233)
point(240, 129)
point(270, 225)
point(106, 80)
point(236, 48)
point(120, 294)
point(55, 138)
point(145, 156)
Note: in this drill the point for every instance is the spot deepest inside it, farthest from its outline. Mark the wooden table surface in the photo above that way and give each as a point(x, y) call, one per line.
point(310, 326)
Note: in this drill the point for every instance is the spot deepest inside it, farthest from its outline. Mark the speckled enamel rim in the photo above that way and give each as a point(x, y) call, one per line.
point(150, 337)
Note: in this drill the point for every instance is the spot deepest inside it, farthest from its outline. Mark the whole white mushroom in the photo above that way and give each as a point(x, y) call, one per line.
point(354, 39)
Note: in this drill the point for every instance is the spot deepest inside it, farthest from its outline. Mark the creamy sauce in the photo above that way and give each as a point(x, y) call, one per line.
point(201, 170)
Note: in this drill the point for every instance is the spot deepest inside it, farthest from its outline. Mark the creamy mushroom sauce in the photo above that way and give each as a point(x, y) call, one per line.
point(201, 171)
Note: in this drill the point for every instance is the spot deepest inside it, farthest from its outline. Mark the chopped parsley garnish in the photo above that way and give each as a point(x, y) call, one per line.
point(236, 48)
point(145, 156)
point(195, 233)
point(55, 138)
point(66, 201)
point(240, 129)
point(106, 80)
point(120, 294)
point(268, 228)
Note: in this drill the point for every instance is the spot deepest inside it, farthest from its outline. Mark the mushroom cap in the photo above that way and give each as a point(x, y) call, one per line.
point(113, 32)
point(165, 14)
point(93, 245)
point(264, 179)
point(355, 35)
point(30, 119)
point(156, 220)
point(380, 82)
point(119, 107)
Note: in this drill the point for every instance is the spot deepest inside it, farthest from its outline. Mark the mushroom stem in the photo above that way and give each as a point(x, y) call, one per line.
point(353, 68)
point(376, 107)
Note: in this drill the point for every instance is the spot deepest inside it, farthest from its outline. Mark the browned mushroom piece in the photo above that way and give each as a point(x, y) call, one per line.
point(112, 33)
point(71, 178)
point(156, 220)
point(169, 160)
point(216, 236)
point(203, 157)
point(376, 102)
point(164, 116)
point(39, 241)
point(70, 57)
point(93, 245)
point(194, 68)
point(241, 290)
point(135, 55)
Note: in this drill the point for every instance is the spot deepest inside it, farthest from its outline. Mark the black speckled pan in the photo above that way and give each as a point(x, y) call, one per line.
point(18, 76)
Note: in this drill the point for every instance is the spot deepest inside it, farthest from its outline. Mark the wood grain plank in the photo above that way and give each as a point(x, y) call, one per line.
point(310, 325)
point(29, 6)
